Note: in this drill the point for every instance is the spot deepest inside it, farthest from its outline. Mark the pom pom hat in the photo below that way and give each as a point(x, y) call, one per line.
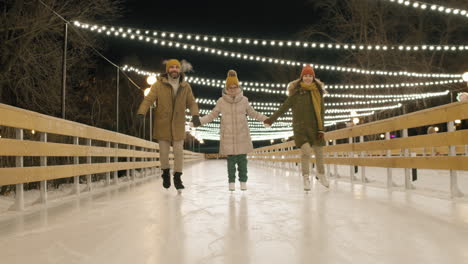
point(232, 79)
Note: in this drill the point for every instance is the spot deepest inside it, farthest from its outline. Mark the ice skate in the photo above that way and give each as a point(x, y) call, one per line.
point(243, 186)
point(178, 182)
point(166, 178)
point(323, 179)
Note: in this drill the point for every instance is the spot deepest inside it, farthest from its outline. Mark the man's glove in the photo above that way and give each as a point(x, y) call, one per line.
point(140, 118)
point(196, 121)
point(268, 122)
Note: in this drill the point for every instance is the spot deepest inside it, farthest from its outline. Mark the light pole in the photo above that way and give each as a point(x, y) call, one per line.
point(64, 69)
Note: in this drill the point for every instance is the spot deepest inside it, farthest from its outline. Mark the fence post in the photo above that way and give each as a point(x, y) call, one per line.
point(108, 159)
point(133, 160)
point(335, 166)
point(88, 161)
point(406, 153)
point(363, 169)
point(454, 190)
point(116, 160)
point(76, 161)
point(19, 192)
point(351, 167)
point(43, 160)
point(129, 176)
point(328, 164)
point(144, 171)
point(390, 182)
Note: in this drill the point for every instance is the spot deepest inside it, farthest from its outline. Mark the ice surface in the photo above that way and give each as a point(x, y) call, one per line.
point(274, 221)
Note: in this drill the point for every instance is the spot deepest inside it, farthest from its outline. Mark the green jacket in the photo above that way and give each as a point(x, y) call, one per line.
point(169, 117)
point(305, 126)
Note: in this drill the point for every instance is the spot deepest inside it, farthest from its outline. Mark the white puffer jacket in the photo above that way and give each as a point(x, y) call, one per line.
point(234, 131)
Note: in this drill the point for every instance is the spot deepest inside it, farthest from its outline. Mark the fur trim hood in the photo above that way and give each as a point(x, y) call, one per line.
point(293, 86)
point(164, 78)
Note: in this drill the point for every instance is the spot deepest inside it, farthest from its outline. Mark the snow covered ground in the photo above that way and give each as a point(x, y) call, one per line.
point(63, 193)
point(274, 221)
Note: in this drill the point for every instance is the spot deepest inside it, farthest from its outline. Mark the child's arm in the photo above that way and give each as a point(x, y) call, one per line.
point(212, 115)
point(254, 114)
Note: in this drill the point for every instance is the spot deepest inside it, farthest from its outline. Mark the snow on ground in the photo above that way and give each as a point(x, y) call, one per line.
point(63, 192)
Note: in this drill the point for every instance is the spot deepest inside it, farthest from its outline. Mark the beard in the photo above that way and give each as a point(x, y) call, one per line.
point(174, 75)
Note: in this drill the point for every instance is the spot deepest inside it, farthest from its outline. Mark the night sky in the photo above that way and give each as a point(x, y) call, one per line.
point(256, 19)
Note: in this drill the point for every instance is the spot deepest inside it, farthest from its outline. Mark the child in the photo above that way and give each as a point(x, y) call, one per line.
point(235, 141)
point(305, 97)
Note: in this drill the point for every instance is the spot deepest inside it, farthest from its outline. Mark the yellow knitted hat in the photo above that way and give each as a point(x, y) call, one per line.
point(232, 78)
point(172, 62)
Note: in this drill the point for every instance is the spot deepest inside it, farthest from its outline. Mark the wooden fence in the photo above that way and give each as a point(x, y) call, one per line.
point(357, 146)
point(116, 152)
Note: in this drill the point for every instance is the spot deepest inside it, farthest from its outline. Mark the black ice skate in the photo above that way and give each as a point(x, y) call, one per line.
point(178, 182)
point(166, 176)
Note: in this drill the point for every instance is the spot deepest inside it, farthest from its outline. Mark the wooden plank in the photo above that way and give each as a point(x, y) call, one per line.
point(276, 146)
point(12, 147)
point(278, 153)
point(434, 140)
point(430, 116)
point(33, 174)
point(436, 163)
point(20, 118)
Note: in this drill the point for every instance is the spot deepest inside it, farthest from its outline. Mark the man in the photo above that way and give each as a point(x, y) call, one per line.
point(305, 97)
point(173, 95)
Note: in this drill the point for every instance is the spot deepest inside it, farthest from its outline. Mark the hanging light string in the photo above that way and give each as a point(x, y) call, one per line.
point(280, 88)
point(270, 60)
point(455, 12)
point(89, 44)
point(242, 41)
point(207, 111)
point(389, 99)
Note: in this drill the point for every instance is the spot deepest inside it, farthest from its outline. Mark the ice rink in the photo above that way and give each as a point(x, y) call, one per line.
point(274, 221)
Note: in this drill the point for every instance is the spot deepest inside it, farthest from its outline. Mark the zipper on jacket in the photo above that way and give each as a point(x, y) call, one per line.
point(173, 104)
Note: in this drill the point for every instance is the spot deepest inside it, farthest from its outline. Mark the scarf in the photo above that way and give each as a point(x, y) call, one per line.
point(316, 101)
point(175, 85)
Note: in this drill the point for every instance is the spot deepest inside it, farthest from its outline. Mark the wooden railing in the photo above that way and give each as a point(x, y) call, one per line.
point(116, 152)
point(405, 152)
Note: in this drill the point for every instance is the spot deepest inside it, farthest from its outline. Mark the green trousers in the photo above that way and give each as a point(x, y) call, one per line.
point(241, 161)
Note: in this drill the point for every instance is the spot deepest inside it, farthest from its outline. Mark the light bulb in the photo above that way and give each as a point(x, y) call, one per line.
point(147, 91)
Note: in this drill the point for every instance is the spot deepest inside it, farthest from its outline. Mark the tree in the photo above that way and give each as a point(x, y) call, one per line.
point(379, 22)
point(31, 38)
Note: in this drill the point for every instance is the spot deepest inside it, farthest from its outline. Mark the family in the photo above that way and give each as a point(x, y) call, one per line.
point(173, 95)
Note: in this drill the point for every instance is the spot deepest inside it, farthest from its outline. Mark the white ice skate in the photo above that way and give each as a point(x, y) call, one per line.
point(243, 186)
point(306, 182)
point(323, 179)
point(232, 186)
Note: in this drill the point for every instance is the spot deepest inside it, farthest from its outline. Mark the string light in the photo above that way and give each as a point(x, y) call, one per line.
point(151, 79)
point(465, 77)
point(270, 60)
point(281, 43)
point(432, 7)
point(279, 88)
point(207, 111)
point(389, 99)
point(363, 109)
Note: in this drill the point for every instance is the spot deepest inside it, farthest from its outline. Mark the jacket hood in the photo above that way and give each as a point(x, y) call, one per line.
point(293, 86)
point(231, 99)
